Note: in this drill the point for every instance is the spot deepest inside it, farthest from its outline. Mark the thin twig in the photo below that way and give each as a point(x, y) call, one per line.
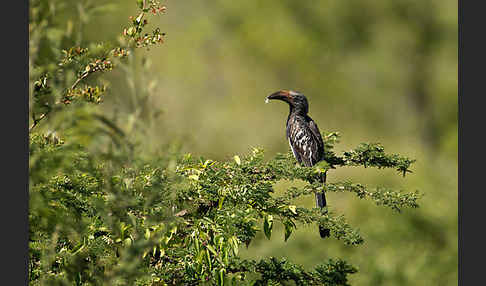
point(43, 115)
point(37, 121)
point(78, 80)
point(85, 74)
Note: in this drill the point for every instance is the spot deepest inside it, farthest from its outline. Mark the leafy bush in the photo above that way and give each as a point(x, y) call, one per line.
point(107, 216)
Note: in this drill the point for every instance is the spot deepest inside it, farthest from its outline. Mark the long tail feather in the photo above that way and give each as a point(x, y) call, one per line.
point(320, 203)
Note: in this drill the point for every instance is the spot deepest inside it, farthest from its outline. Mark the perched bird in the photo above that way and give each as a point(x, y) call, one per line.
point(304, 138)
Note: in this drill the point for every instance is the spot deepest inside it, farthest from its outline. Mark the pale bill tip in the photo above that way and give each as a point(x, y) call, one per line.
point(267, 100)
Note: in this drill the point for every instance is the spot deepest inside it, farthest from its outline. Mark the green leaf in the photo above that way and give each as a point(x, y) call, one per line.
point(208, 256)
point(221, 276)
point(237, 159)
point(211, 249)
point(220, 202)
point(200, 256)
point(196, 244)
point(289, 227)
point(130, 32)
point(194, 177)
point(234, 244)
point(268, 225)
point(225, 254)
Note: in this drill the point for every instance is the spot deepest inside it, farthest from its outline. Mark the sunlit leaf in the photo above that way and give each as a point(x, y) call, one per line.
point(268, 225)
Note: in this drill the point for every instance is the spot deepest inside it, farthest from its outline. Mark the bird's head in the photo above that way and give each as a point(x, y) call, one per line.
point(296, 100)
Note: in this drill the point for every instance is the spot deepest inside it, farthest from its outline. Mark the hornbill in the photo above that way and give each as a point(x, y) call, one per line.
point(304, 138)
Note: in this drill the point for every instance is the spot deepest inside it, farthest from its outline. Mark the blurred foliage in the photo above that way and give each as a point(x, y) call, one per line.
point(358, 63)
point(377, 71)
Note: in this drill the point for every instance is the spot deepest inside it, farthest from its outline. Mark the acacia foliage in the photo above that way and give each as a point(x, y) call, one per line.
point(178, 220)
point(111, 217)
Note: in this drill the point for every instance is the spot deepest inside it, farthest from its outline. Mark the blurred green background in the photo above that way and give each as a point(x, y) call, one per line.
point(376, 71)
